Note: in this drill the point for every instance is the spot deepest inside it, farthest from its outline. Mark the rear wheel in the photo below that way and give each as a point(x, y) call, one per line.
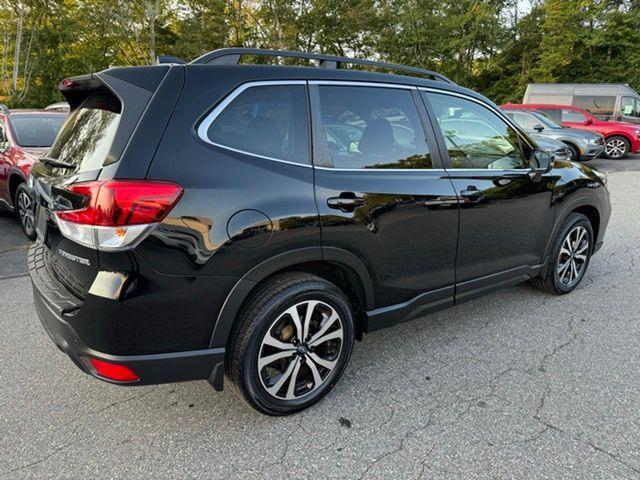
point(569, 258)
point(616, 147)
point(291, 344)
point(24, 206)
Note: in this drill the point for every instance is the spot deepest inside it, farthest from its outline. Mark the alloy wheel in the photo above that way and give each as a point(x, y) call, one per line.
point(25, 211)
point(573, 256)
point(300, 350)
point(615, 148)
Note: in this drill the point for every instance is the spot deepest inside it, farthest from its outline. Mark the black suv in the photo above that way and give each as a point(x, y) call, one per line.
point(213, 218)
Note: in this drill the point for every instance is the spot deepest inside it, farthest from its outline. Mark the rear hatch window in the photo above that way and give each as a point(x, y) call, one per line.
point(85, 139)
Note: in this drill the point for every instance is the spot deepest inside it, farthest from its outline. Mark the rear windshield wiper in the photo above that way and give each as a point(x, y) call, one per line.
point(52, 162)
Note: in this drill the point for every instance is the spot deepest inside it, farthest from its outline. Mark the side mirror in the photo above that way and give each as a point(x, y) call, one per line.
point(538, 127)
point(588, 121)
point(543, 162)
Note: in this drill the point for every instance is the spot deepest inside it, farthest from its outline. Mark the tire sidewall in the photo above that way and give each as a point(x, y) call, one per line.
point(573, 221)
point(299, 293)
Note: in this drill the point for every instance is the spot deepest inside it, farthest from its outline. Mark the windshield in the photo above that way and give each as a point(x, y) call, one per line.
point(87, 135)
point(546, 121)
point(36, 130)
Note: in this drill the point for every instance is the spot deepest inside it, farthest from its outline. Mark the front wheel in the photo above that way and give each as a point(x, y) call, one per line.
point(570, 257)
point(292, 343)
point(24, 205)
point(616, 147)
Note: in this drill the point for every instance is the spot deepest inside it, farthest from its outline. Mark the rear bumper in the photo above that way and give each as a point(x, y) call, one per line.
point(55, 306)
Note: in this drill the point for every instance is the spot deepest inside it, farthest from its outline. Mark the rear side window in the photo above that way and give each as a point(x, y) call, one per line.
point(552, 113)
point(572, 116)
point(265, 120)
point(371, 127)
point(86, 137)
point(597, 104)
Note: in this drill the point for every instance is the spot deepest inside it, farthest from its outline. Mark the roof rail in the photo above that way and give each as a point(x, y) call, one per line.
point(231, 56)
point(4, 109)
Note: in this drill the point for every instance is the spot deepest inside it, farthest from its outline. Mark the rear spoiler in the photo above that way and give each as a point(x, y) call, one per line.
point(76, 89)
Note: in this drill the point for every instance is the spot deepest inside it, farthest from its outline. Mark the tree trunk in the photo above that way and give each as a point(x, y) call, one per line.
point(16, 50)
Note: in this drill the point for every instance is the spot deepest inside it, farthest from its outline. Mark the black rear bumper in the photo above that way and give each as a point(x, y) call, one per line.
point(55, 305)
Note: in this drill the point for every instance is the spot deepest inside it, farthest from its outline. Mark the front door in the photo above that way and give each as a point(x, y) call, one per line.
point(381, 191)
point(505, 216)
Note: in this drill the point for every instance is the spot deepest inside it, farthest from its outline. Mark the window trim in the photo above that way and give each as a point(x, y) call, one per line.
point(522, 135)
point(209, 118)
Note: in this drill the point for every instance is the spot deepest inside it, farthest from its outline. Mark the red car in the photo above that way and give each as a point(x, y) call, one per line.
point(24, 136)
point(620, 138)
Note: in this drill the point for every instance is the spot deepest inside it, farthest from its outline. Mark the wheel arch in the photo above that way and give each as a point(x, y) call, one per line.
point(15, 179)
point(571, 143)
point(340, 267)
point(584, 205)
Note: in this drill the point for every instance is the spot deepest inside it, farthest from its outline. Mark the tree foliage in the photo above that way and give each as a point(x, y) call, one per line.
point(488, 45)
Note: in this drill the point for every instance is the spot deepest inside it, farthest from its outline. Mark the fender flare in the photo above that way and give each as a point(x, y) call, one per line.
point(12, 173)
point(564, 209)
point(238, 294)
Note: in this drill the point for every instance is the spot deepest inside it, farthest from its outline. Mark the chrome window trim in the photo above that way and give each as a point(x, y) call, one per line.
point(355, 83)
point(206, 122)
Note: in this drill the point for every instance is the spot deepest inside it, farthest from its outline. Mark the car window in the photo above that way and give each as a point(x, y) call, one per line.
point(371, 127)
point(601, 105)
point(525, 120)
point(630, 107)
point(267, 120)
point(552, 113)
point(475, 136)
point(35, 130)
point(572, 116)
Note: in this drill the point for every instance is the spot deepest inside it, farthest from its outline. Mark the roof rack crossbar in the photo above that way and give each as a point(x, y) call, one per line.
point(232, 56)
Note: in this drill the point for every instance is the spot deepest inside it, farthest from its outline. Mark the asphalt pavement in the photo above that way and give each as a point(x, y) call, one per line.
point(515, 385)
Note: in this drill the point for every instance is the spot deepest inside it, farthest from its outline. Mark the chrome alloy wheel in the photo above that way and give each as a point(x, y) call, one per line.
point(25, 211)
point(573, 256)
point(300, 350)
point(615, 148)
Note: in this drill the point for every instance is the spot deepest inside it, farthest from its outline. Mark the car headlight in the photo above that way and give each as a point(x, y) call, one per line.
point(593, 141)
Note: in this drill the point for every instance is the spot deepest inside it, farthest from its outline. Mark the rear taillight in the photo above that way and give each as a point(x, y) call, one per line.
point(117, 214)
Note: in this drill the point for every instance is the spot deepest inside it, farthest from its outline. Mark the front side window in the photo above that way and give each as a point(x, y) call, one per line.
point(476, 138)
point(572, 116)
point(630, 107)
point(602, 105)
point(526, 121)
point(370, 127)
point(267, 120)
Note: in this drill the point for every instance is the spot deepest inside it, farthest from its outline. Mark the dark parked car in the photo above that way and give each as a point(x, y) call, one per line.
point(584, 145)
point(195, 220)
point(24, 136)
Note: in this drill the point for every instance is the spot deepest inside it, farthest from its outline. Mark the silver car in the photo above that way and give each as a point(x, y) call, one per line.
point(559, 150)
point(582, 144)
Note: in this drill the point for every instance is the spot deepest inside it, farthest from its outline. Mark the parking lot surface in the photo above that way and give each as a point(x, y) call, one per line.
point(517, 384)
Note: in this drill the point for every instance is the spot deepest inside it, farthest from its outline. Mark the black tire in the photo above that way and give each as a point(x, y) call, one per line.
point(622, 149)
point(24, 206)
point(575, 153)
point(551, 280)
point(265, 314)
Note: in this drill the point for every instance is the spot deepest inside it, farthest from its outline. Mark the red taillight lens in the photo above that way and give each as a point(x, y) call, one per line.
point(116, 203)
point(114, 371)
point(116, 214)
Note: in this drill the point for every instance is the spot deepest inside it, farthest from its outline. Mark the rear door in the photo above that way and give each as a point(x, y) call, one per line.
point(505, 217)
point(380, 189)
point(4, 164)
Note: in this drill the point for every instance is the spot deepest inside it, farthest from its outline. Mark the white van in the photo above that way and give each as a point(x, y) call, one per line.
point(607, 101)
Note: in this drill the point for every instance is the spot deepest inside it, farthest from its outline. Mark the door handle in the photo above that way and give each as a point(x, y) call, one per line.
point(472, 194)
point(346, 201)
